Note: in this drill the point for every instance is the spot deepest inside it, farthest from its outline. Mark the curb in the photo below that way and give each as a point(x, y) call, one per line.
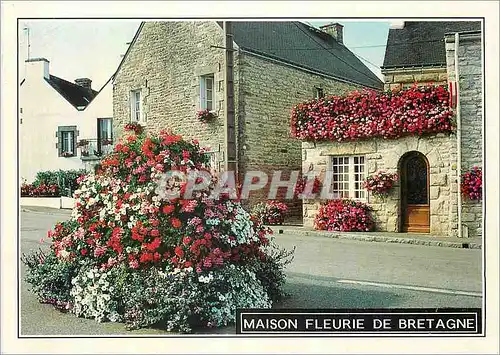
point(375, 238)
point(49, 213)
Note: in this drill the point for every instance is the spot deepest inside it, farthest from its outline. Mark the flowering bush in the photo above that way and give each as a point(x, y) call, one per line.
point(147, 259)
point(134, 127)
point(270, 212)
point(205, 116)
point(368, 114)
point(472, 184)
point(344, 216)
point(41, 190)
point(380, 183)
point(50, 279)
point(301, 185)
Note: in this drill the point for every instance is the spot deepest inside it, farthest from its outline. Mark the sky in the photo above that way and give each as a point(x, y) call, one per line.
point(94, 48)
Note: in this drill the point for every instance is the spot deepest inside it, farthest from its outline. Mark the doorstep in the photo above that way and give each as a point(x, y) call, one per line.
point(385, 237)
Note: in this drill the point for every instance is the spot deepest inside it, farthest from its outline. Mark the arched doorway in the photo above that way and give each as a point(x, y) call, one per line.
point(415, 212)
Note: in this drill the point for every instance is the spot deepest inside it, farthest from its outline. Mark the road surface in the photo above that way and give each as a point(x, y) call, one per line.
point(325, 273)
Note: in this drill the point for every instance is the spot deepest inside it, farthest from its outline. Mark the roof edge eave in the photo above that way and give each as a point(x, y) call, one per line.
point(314, 71)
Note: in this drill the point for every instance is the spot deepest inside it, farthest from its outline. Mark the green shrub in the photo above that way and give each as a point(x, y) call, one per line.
point(65, 179)
point(50, 279)
point(270, 271)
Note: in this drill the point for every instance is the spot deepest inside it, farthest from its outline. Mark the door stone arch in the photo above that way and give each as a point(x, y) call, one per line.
point(413, 169)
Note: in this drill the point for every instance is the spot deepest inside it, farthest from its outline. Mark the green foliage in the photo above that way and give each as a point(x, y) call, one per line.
point(271, 270)
point(65, 179)
point(50, 279)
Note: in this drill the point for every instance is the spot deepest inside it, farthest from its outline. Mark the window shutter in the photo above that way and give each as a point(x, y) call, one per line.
point(59, 143)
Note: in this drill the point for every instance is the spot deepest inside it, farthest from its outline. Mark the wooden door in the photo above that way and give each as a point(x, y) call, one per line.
point(415, 194)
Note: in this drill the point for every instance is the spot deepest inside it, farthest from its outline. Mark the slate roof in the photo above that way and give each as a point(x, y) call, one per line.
point(76, 95)
point(304, 46)
point(422, 43)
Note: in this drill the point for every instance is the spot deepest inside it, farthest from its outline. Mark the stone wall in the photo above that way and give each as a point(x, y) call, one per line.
point(268, 91)
point(471, 107)
point(406, 77)
point(385, 155)
point(166, 62)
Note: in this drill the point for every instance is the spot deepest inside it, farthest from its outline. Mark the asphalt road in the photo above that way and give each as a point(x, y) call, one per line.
point(325, 273)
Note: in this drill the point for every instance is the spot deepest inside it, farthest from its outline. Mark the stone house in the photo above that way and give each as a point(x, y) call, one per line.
point(55, 116)
point(429, 165)
point(174, 69)
point(415, 52)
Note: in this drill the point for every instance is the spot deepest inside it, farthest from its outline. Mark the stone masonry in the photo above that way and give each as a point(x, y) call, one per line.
point(166, 62)
point(386, 155)
point(268, 91)
point(439, 149)
point(471, 108)
point(397, 78)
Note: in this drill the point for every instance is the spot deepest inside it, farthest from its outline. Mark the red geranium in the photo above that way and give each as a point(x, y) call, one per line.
point(472, 184)
point(390, 115)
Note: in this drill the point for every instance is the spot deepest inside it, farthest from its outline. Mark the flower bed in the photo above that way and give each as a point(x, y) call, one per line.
point(472, 184)
point(129, 254)
point(380, 183)
point(40, 190)
point(390, 115)
point(270, 212)
point(344, 216)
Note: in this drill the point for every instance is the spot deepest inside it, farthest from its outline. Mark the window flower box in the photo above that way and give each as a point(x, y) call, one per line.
point(206, 116)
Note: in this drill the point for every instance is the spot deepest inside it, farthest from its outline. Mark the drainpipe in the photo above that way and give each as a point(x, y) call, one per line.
point(459, 137)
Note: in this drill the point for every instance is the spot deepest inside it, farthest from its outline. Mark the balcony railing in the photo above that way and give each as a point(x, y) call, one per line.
point(92, 149)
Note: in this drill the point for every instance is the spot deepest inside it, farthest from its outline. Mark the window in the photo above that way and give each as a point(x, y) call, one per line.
point(214, 166)
point(207, 92)
point(105, 128)
point(136, 106)
point(104, 134)
point(320, 93)
point(348, 176)
point(66, 140)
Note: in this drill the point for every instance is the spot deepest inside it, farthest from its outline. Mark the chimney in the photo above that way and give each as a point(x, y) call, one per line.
point(84, 82)
point(336, 30)
point(37, 68)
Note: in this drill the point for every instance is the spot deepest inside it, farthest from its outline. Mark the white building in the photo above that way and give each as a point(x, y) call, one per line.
point(63, 125)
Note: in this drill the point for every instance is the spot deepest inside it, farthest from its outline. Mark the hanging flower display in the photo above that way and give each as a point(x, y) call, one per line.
point(206, 116)
point(368, 114)
point(472, 184)
point(380, 183)
point(134, 127)
point(344, 216)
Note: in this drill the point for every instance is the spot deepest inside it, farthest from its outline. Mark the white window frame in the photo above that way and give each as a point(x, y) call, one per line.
point(214, 164)
point(349, 162)
point(68, 136)
point(319, 90)
point(136, 105)
point(206, 91)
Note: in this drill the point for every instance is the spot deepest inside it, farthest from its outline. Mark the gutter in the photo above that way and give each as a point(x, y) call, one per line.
point(459, 138)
